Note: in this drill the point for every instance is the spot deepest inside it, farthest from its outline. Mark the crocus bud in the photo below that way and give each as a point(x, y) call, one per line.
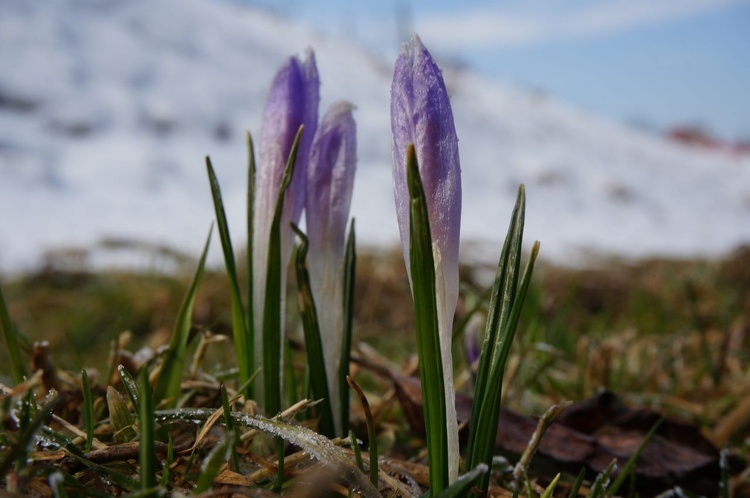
point(292, 102)
point(421, 114)
point(330, 181)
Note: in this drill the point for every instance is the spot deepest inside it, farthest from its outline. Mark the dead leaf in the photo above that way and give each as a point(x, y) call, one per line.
point(591, 433)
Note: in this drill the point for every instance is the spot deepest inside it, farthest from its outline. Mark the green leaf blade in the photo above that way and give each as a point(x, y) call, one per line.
point(213, 463)
point(147, 446)
point(272, 335)
point(426, 321)
point(313, 341)
point(504, 313)
point(243, 342)
point(88, 409)
point(170, 376)
point(350, 268)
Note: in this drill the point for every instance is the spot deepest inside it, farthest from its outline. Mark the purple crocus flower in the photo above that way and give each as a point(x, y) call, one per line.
point(330, 181)
point(421, 114)
point(292, 102)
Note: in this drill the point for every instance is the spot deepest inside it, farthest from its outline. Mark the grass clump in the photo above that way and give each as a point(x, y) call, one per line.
point(677, 383)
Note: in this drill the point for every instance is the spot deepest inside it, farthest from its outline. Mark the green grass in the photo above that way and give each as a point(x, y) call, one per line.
point(631, 327)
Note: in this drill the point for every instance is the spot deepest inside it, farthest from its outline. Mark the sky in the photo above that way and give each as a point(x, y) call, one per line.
point(653, 64)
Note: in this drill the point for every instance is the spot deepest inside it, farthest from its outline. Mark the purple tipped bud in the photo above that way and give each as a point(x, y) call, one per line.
point(292, 102)
point(421, 114)
point(330, 181)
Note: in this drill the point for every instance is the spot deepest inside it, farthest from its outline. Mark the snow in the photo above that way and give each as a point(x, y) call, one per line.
point(108, 108)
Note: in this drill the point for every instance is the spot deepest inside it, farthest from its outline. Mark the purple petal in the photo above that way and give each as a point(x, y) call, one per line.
point(421, 114)
point(330, 179)
point(292, 102)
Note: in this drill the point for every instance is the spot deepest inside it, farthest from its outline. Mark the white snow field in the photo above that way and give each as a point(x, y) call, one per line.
point(107, 109)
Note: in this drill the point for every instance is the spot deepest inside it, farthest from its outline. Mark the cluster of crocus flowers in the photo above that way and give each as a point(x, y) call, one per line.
point(310, 165)
point(421, 115)
point(322, 185)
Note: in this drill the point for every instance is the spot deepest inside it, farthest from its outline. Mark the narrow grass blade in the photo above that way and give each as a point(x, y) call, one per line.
point(724, 469)
point(630, 464)
point(350, 266)
point(370, 431)
point(551, 488)
point(170, 376)
point(527, 484)
point(313, 341)
point(62, 441)
point(249, 318)
point(121, 480)
point(355, 449)
point(426, 321)
point(504, 312)
point(18, 450)
point(131, 387)
point(213, 463)
point(230, 427)
point(20, 447)
point(147, 446)
point(578, 483)
point(599, 487)
point(165, 472)
point(461, 487)
point(88, 410)
point(503, 291)
point(244, 343)
point(27, 410)
point(12, 341)
point(272, 312)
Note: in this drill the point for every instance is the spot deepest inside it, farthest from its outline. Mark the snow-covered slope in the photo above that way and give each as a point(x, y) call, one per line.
point(107, 109)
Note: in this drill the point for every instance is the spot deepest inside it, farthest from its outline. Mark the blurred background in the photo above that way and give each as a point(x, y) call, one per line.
point(628, 121)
